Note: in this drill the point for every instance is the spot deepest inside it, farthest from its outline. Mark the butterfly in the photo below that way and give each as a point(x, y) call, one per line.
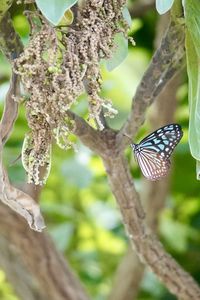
point(154, 151)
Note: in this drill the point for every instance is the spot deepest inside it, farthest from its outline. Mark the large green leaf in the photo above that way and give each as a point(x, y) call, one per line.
point(192, 13)
point(121, 44)
point(120, 52)
point(127, 15)
point(163, 6)
point(54, 10)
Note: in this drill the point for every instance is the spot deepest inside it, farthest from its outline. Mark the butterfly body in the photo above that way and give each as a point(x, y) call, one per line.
point(154, 151)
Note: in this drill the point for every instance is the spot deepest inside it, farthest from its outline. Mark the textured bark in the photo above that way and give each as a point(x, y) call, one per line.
point(147, 246)
point(32, 264)
point(36, 260)
point(167, 60)
point(153, 194)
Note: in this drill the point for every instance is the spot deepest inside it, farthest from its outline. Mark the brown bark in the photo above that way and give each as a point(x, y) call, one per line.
point(30, 260)
point(36, 255)
point(32, 264)
point(167, 60)
point(153, 198)
point(153, 194)
point(147, 246)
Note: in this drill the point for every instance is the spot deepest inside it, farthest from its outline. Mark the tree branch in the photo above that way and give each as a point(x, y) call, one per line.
point(88, 135)
point(165, 63)
point(32, 263)
point(35, 262)
point(153, 196)
point(148, 248)
point(146, 244)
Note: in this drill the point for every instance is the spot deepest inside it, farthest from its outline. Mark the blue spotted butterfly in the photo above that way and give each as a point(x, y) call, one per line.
point(154, 151)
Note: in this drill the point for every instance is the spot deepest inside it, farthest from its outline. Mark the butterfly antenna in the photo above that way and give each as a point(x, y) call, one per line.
point(128, 137)
point(132, 144)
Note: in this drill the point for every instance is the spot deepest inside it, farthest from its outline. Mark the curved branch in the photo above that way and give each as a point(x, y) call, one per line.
point(89, 136)
point(166, 61)
point(153, 196)
point(147, 246)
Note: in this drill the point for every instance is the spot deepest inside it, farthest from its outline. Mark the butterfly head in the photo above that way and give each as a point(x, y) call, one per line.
point(133, 146)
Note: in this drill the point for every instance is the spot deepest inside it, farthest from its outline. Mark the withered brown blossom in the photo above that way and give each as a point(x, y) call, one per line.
point(58, 66)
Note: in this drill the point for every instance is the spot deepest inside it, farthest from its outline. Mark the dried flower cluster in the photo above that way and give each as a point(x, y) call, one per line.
point(57, 67)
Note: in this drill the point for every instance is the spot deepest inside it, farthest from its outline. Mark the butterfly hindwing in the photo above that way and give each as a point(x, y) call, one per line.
point(153, 152)
point(152, 164)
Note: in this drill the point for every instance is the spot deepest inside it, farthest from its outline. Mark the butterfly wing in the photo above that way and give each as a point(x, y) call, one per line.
point(153, 152)
point(152, 164)
point(163, 140)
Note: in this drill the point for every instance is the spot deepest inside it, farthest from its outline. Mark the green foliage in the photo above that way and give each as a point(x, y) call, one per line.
point(54, 10)
point(21, 25)
point(163, 6)
point(127, 16)
point(6, 291)
point(79, 209)
point(192, 12)
point(120, 52)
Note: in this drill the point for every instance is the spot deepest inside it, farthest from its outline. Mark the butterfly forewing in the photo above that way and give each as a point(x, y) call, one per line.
point(153, 152)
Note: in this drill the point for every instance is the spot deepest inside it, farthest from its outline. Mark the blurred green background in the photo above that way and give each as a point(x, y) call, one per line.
point(80, 212)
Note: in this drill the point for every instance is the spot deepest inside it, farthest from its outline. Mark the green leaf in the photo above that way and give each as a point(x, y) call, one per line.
point(192, 13)
point(120, 53)
point(67, 19)
point(198, 169)
point(127, 15)
point(163, 6)
point(54, 10)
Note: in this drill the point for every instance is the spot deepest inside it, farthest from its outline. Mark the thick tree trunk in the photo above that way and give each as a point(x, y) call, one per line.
point(32, 264)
